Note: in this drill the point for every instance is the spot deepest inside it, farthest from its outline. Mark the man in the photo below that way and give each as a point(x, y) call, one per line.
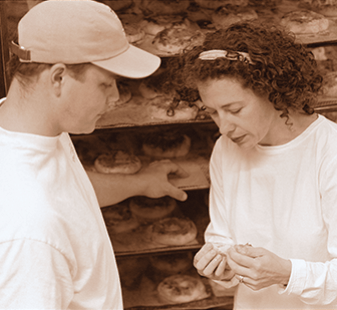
point(54, 249)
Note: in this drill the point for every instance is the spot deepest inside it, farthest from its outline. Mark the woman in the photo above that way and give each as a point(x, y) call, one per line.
point(273, 192)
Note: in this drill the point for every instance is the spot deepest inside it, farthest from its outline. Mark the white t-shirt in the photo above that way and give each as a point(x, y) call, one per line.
point(55, 252)
point(284, 199)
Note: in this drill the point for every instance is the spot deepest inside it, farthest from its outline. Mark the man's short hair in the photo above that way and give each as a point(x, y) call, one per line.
point(27, 73)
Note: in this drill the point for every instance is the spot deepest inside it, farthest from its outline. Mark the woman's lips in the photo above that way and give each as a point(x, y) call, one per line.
point(238, 139)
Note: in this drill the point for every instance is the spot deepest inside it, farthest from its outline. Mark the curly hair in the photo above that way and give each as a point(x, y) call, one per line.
point(282, 69)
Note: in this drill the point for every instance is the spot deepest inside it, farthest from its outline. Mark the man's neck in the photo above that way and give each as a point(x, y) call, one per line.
point(26, 112)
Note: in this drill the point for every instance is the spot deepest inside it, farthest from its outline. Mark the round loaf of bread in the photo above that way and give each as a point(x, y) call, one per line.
point(305, 22)
point(117, 161)
point(166, 144)
point(173, 231)
point(181, 289)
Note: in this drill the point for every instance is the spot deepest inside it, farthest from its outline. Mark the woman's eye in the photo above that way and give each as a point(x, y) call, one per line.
point(236, 111)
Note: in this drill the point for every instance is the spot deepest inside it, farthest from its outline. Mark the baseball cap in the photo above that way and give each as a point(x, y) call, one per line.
point(80, 31)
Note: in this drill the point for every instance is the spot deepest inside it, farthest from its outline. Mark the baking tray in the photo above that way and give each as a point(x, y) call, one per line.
point(138, 242)
point(272, 14)
point(145, 297)
point(195, 163)
point(136, 112)
point(326, 104)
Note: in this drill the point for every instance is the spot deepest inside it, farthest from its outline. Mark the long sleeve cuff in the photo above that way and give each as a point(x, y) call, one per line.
point(297, 279)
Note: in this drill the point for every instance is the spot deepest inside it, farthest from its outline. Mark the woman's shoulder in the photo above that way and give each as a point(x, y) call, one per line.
point(324, 137)
point(326, 128)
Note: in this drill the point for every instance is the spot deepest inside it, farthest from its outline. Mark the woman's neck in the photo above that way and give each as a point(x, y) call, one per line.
point(288, 128)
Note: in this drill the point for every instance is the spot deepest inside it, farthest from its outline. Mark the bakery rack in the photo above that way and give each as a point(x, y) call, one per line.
point(133, 118)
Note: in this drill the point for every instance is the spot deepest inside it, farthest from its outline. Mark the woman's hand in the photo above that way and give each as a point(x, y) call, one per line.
point(259, 267)
point(209, 263)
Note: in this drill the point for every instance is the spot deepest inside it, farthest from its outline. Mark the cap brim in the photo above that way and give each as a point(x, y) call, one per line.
point(133, 63)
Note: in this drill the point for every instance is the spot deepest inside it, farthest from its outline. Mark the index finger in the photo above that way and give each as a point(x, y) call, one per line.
point(176, 193)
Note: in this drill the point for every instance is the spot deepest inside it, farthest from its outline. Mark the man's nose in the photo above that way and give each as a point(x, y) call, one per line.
point(113, 94)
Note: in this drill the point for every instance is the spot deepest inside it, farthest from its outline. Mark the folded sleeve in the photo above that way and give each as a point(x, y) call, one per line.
point(313, 282)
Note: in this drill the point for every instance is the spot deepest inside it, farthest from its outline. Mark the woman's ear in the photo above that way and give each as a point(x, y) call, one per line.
point(57, 75)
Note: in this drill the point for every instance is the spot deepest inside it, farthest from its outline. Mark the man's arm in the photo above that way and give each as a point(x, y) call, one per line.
point(151, 181)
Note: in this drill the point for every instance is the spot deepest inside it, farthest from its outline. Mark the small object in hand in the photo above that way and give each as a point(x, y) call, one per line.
point(242, 248)
point(240, 279)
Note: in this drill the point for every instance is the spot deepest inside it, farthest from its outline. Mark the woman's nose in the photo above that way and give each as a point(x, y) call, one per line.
point(226, 126)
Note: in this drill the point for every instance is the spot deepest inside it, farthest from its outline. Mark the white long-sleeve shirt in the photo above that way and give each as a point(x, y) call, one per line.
point(55, 252)
point(284, 199)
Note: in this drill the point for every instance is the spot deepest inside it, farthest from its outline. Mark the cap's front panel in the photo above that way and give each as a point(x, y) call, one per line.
point(72, 32)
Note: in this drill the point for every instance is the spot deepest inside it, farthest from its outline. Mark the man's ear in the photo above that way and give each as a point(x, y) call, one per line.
point(57, 77)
